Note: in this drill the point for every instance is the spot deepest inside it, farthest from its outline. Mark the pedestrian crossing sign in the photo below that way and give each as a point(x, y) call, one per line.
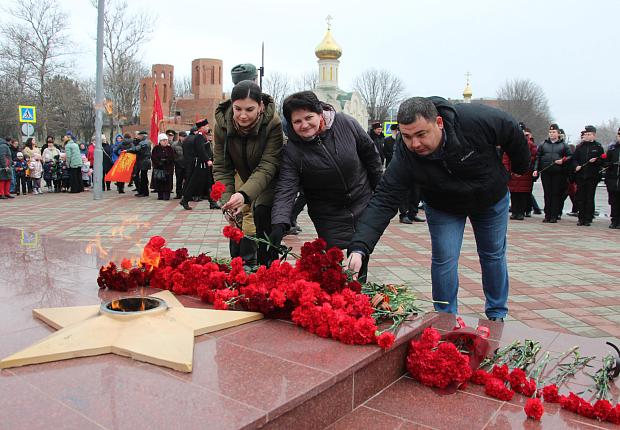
point(28, 114)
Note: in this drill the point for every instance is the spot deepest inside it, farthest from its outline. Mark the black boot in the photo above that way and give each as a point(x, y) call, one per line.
point(213, 205)
point(185, 204)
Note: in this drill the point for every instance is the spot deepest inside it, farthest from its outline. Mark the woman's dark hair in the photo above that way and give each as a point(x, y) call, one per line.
point(246, 89)
point(49, 137)
point(29, 142)
point(303, 100)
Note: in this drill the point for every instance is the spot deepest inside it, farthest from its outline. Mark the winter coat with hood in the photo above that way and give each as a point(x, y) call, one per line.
point(6, 162)
point(463, 176)
point(74, 157)
point(337, 172)
point(521, 183)
point(254, 157)
point(612, 164)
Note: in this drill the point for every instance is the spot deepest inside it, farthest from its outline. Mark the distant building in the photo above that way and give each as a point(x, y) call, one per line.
point(181, 111)
point(468, 96)
point(328, 52)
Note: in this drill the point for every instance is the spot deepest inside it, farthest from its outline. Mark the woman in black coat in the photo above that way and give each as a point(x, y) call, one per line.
point(332, 160)
point(162, 157)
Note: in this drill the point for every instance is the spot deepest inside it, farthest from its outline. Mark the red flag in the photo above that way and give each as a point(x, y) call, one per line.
point(156, 117)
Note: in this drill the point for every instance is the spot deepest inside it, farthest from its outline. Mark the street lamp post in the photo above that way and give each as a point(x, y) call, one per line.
point(98, 167)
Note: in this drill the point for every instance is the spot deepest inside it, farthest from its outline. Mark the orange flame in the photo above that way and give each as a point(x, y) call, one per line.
point(95, 244)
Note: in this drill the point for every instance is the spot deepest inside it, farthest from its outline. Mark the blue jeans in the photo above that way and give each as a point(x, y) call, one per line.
point(12, 189)
point(490, 228)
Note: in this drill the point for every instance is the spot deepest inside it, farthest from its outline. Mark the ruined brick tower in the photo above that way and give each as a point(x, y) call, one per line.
point(163, 75)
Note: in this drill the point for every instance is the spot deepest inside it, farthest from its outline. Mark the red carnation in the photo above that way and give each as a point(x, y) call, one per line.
point(614, 415)
point(500, 372)
point(585, 409)
point(550, 394)
point(496, 388)
point(126, 264)
point(233, 233)
point(156, 242)
point(386, 340)
point(570, 402)
point(479, 377)
point(217, 190)
point(602, 408)
point(517, 379)
point(603, 156)
point(534, 408)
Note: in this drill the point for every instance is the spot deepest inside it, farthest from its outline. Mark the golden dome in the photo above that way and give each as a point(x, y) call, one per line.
point(328, 49)
point(467, 92)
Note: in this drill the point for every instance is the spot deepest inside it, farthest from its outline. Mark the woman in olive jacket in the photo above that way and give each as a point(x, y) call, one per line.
point(248, 141)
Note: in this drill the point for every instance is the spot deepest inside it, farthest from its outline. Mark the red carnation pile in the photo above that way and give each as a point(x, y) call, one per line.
point(435, 363)
point(534, 408)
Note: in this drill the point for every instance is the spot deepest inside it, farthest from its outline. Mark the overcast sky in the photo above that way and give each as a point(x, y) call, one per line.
point(568, 47)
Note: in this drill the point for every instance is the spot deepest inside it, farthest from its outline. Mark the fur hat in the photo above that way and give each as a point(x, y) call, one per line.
point(375, 125)
point(162, 136)
point(20, 155)
point(554, 126)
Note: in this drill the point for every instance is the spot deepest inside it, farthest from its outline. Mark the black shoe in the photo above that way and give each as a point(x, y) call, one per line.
point(553, 220)
point(537, 212)
point(8, 196)
point(546, 220)
point(528, 215)
point(142, 195)
point(406, 220)
point(573, 214)
point(559, 218)
point(498, 319)
point(185, 205)
point(2, 198)
point(121, 192)
point(583, 223)
point(160, 198)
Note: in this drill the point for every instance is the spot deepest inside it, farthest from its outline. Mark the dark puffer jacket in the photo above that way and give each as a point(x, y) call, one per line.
point(612, 163)
point(337, 172)
point(462, 177)
point(549, 152)
point(5, 161)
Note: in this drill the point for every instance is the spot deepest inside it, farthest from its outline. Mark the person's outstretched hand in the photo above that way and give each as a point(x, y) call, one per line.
point(235, 203)
point(354, 264)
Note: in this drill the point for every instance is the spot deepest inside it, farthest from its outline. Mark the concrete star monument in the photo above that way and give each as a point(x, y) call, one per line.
point(163, 335)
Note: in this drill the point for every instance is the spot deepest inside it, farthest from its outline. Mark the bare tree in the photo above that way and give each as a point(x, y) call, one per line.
point(35, 40)
point(526, 101)
point(85, 108)
point(307, 81)
point(607, 130)
point(277, 85)
point(380, 91)
point(182, 85)
point(125, 33)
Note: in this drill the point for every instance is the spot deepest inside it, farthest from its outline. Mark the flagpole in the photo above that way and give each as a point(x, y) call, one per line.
point(98, 167)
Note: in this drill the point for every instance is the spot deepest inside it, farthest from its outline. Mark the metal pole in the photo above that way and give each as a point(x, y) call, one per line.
point(98, 167)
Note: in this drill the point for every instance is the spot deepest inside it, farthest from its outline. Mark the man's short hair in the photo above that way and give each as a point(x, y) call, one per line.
point(415, 107)
point(393, 127)
point(182, 134)
point(127, 135)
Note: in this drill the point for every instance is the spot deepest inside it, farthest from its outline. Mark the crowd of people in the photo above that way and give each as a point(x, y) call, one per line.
point(458, 162)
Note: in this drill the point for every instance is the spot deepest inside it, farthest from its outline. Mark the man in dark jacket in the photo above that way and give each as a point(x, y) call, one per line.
point(142, 149)
point(450, 152)
point(388, 144)
point(612, 181)
point(586, 162)
point(179, 161)
point(550, 164)
point(194, 155)
point(377, 137)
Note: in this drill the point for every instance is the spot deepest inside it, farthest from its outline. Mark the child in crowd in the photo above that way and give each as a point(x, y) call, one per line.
point(20, 166)
point(36, 172)
point(65, 176)
point(48, 166)
point(57, 174)
point(86, 172)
